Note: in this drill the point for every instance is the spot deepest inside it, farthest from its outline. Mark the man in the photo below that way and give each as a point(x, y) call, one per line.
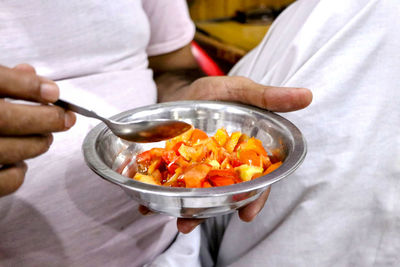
point(341, 207)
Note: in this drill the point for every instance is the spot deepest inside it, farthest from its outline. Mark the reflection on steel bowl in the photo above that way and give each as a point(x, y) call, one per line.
point(108, 155)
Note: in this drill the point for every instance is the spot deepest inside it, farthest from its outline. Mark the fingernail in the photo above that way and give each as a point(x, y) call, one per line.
point(69, 119)
point(49, 92)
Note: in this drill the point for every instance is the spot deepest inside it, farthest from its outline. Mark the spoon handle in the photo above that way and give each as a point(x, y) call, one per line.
point(78, 109)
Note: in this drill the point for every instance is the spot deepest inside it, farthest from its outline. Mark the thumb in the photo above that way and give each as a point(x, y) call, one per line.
point(244, 90)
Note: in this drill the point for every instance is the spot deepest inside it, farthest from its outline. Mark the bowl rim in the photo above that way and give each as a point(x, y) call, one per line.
point(292, 162)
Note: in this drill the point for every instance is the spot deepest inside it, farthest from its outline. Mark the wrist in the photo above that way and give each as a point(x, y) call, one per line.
point(175, 85)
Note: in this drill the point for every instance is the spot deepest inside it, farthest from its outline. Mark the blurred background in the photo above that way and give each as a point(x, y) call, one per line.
point(227, 29)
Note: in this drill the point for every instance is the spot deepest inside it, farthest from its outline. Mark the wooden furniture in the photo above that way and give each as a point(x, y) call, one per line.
point(228, 29)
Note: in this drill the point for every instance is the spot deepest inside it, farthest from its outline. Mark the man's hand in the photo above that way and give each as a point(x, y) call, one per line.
point(182, 82)
point(246, 214)
point(236, 89)
point(25, 129)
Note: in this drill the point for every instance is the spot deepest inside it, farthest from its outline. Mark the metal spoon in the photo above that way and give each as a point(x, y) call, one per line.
point(137, 131)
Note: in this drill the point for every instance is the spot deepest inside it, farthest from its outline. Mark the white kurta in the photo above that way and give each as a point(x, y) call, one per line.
point(64, 214)
point(342, 206)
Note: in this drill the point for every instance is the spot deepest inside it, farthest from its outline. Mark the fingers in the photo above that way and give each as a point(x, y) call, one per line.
point(11, 178)
point(22, 82)
point(280, 99)
point(19, 119)
point(15, 149)
point(25, 130)
point(25, 67)
point(244, 90)
point(249, 212)
point(144, 211)
point(185, 226)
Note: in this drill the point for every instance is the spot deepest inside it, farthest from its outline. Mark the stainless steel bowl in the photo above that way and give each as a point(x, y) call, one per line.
point(107, 154)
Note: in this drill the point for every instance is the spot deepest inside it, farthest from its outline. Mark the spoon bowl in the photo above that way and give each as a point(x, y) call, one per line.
point(141, 131)
point(148, 131)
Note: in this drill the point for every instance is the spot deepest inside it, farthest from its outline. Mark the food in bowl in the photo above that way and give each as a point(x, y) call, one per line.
point(112, 158)
point(196, 160)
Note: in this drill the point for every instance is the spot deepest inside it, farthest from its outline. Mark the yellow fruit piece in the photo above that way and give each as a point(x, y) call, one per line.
point(212, 146)
point(221, 136)
point(246, 172)
point(232, 142)
point(214, 164)
point(225, 164)
point(174, 177)
point(145, 179)
point(187, 152)
point(243, 138)
point(185, 136)
point(169, 144)
point(153, 166)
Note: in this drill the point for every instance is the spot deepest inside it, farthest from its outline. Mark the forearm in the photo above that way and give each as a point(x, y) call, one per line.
point(179, 78)
point(174, 73)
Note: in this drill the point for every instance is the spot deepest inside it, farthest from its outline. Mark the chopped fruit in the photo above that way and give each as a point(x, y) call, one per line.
point(272, 167)
point(254, 144)
point(154, 166)
point(169, 144)
point(198, 135)
point(173, 179)
point(225, 164)
point(246, 172)
point(144, 157)
point(250, 157)
point(221, 136)
point(232, 141)
point(214, 164)
point(195, 160)
point(206, 184)
point(187, 152)
point(176, 147)
point(221, 181)
point(222, 177)
point(145, 179)
point(195, 174)
point(243, 138)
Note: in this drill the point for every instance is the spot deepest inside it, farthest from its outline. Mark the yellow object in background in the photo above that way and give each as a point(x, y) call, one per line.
point(211, 9)
point(229, 29)
point(241, 35)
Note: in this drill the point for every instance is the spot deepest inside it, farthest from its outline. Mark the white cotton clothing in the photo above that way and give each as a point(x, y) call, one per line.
point(183, 252)
point(342, 206)
point(96, 51)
